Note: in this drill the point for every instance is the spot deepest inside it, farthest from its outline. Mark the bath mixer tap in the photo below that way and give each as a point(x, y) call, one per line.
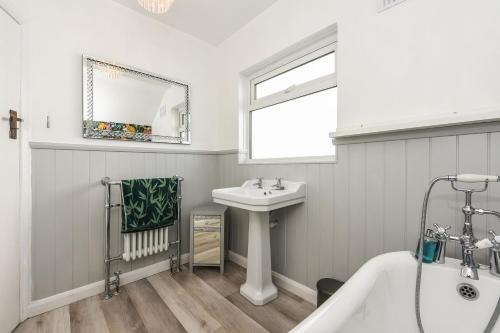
point(469, 267)
point(467, 239)
point(494, 254)
point(442, 237)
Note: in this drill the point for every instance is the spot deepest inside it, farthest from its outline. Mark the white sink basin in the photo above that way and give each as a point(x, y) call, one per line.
point(259, 288)
point(249, 197)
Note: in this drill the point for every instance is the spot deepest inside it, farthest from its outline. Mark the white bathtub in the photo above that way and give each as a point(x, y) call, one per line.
point(379, 297)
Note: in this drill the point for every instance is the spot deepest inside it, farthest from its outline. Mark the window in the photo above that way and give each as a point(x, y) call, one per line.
point(293, 107)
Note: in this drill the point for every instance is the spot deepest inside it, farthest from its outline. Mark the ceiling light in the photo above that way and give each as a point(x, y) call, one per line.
point(156, 6)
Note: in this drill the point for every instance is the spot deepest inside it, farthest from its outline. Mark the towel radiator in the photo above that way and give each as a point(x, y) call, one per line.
point(138, 244)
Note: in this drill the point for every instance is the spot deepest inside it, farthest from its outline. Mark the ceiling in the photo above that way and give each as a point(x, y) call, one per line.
point(210, 20)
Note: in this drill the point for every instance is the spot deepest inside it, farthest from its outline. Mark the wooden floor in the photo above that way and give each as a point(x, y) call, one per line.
point(201, 302)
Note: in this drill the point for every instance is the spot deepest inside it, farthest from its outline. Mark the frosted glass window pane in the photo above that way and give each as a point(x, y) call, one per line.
point(314, 69)
point(297, 128)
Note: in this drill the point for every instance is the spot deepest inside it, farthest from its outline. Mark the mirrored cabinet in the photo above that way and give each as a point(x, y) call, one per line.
point(208, 230)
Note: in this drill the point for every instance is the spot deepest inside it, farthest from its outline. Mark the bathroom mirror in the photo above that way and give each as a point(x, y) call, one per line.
point(122, 103)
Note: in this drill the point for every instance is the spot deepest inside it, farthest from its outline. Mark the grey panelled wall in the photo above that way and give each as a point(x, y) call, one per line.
point(68, 210)
point(368, 203)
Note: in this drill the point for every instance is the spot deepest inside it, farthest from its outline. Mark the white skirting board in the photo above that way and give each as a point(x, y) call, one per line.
point(53, 302)
point(281, 281)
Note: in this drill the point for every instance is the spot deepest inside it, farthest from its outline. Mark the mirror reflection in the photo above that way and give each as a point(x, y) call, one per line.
point(126, 104)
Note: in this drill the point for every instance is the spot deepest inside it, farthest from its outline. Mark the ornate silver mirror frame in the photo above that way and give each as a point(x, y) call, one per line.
point(112, 129)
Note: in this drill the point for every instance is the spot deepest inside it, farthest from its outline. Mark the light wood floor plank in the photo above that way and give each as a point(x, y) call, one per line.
point(55, 321)
point(121, 315)
point(273, 321)
point(187, 310)
point(86, 316)
point(155, 314)
point(288, 304)
point(226, 313)
point(223, 286)
point(269, 318)
point(202, 302)
point(280, 315)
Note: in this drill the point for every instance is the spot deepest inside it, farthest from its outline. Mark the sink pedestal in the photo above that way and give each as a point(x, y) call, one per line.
point(259, 288)
point(259, 201)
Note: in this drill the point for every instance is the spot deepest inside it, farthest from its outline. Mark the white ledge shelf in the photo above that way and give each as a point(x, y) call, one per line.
point(376, 129)
point(141, 148)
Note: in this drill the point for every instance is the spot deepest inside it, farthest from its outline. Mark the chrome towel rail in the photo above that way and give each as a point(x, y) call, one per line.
point(175, 263)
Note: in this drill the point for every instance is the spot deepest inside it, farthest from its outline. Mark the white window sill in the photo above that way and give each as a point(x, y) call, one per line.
point(291, 160)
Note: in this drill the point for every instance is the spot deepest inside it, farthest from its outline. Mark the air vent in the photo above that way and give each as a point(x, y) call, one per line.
point(386, 4)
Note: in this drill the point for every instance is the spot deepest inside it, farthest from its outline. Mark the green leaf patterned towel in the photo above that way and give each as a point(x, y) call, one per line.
point(148, 204)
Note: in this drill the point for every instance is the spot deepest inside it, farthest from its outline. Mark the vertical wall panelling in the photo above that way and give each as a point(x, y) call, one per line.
point(417, 180)
point(80, 206)
point(278, 241)
point(395, 195)
point(64, 220)
point(314, 224)
point(370, 205)
point(97, 168)
point(296, 229)
point(43, 226)
point(367, 203)
point(341, 215)
point(68, 210)
point(326, 200)
point(443, 205)
point(375, 207)
point(357, 206)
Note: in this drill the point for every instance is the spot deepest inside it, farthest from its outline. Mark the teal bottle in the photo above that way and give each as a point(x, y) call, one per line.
point(430, 245)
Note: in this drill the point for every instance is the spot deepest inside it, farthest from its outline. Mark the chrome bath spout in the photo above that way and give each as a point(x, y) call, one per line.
point(480, 211)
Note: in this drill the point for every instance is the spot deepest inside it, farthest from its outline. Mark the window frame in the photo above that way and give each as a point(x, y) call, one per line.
point(282, 65)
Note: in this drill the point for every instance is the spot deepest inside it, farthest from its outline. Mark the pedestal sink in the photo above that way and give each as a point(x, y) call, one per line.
point(259, 288)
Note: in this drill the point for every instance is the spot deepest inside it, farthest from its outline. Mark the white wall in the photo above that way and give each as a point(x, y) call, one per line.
point(421, 59)
point(57, 32)
point(418, 60)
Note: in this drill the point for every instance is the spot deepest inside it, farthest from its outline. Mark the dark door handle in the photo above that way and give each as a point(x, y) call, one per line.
point(13, 120)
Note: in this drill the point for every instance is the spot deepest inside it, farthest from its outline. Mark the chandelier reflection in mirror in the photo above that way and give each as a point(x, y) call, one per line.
point(122, 103)
point(156, 6)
